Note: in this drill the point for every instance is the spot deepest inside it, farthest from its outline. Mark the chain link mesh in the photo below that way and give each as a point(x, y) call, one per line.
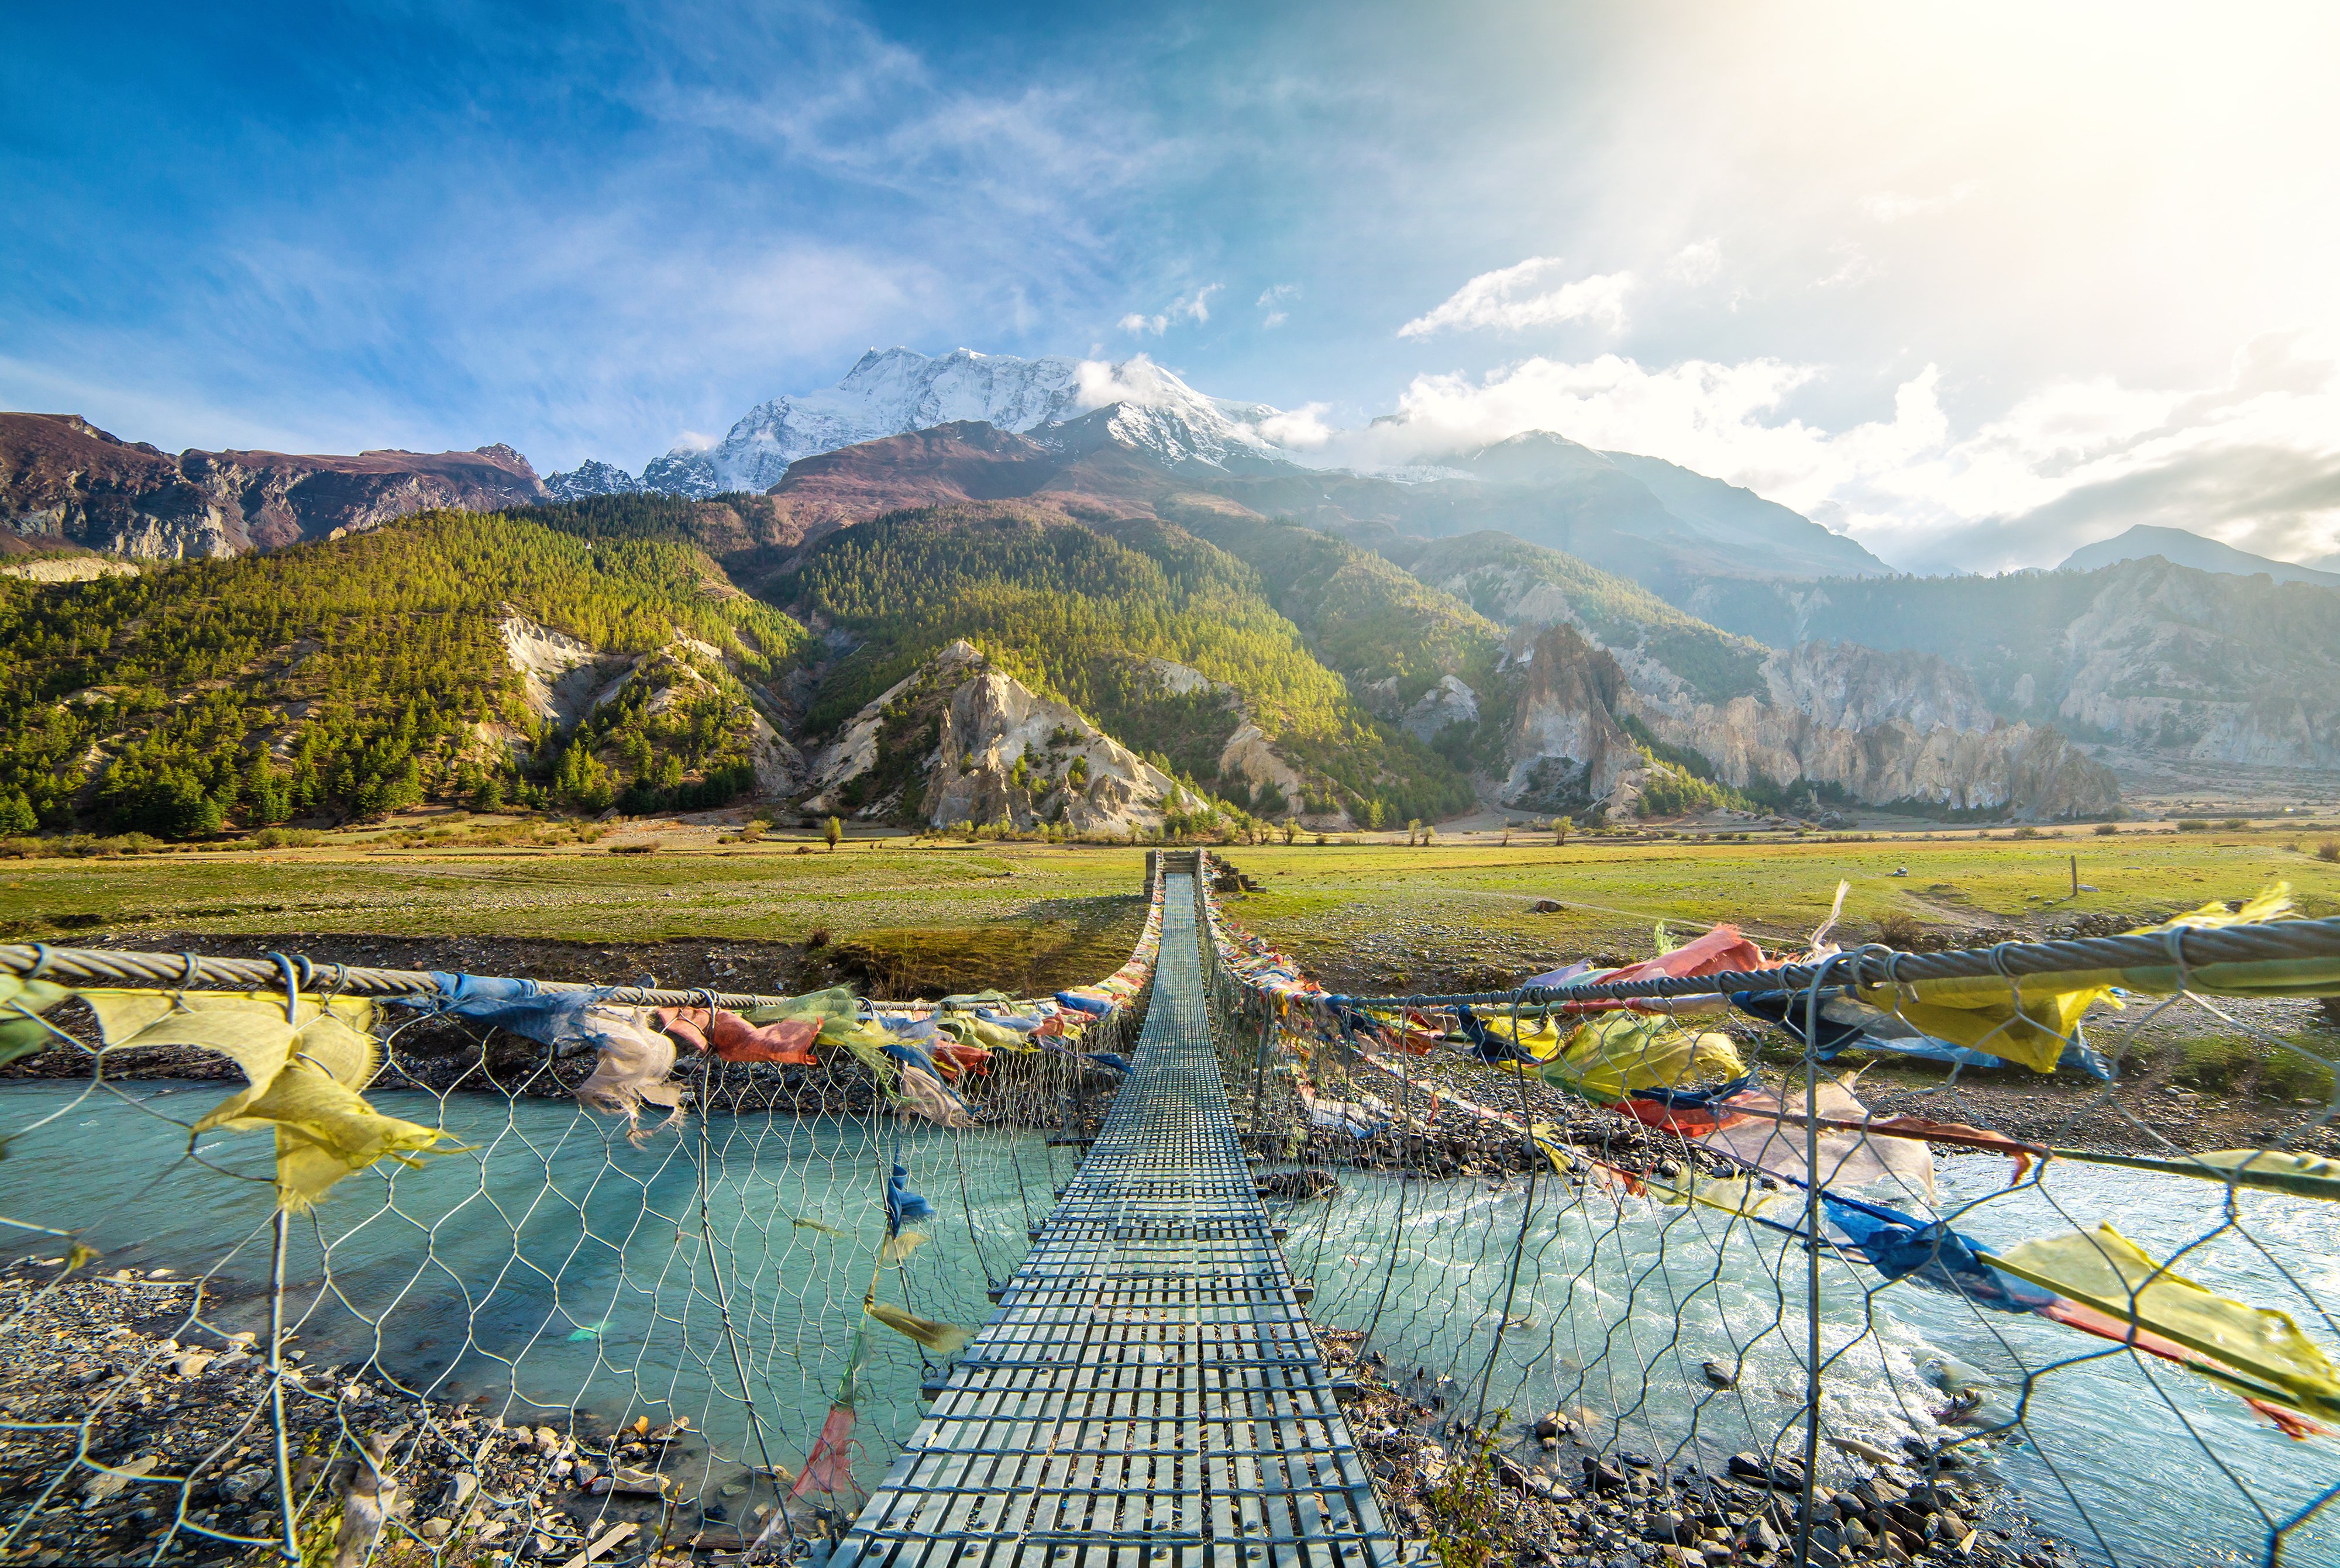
point(1639, 1287)
point(553, 1339)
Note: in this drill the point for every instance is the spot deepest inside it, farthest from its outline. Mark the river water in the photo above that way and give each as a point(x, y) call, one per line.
point(1615, 1304)
point(555, 1266)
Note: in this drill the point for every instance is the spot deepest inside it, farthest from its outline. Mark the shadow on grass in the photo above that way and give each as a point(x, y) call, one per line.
point(1060, 942)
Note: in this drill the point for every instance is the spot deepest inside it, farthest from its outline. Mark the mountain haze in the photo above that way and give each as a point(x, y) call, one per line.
point(2210, 667)
point(2180, 548)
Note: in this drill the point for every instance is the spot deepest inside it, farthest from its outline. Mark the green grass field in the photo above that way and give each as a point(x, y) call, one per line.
point(1459, 910)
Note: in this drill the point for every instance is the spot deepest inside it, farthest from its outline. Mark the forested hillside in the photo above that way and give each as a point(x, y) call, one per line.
point(1512, 581)
point(1088, 613)
point(357, 676)
point(1363, 616)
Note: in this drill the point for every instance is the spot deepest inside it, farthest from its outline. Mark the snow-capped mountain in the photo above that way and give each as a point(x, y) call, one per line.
point(592, 477)
point(894, 391)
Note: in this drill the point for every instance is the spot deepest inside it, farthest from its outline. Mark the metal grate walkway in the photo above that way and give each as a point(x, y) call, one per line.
point(1149, 1394)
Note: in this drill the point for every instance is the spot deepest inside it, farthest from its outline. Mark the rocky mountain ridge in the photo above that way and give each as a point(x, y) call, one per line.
point(1420, 623)
point(2212, 667)
point(1586, 661)
point(1886, 729)
point(65, 482)
point(1840, 722)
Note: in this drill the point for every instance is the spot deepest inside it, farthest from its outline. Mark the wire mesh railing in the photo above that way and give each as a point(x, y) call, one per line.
point(327, 1263)
point(2001, 1294)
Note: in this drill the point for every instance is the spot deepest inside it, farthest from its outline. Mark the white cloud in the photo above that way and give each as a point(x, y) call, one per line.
point(2254, 462)
point(1137, 380)
point(1502, 300)
point(1697, 263)
point(1299, 430)
point(1195, 307)
point(1270, 298)
point(1273, 318)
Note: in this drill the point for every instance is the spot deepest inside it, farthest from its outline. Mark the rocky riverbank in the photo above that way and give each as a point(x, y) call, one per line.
point(131, 1432)
point(1496, 1487)
point(1435, 1104)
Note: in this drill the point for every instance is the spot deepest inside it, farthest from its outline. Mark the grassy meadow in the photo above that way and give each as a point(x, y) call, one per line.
point(898, 916)
point(1464, 911)
point(1363, 912)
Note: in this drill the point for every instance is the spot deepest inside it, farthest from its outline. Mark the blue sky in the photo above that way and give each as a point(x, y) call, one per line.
point(1976, 283)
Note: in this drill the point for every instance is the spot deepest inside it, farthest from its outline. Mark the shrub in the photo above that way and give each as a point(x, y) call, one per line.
point(2106, 828)
point(2192, 824)
point(1466, 1512)
point(2279, 1072)
point(1901, 929)
point(2025, 831)
point(2234, 824)
point(2329, 850)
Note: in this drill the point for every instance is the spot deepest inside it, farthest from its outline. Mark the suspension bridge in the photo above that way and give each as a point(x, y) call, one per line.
point(1149, 1392)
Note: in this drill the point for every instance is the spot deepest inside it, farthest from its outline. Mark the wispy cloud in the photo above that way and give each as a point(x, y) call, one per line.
point(1195, 307)
point(575, 289)
point(1853, 266)
point(1511, 299)
point(1271, 300)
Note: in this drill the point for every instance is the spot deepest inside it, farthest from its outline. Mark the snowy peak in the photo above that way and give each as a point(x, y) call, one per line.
point(1152, 412)
point(592, 477)
point(896, 391)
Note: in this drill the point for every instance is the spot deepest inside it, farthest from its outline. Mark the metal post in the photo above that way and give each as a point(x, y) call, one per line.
point(291, 1546)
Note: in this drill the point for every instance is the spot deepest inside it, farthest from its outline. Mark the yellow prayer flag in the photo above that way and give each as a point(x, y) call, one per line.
point(942, 1338)
point(2103, 1269)
point(302, 1070)
point(1620, 1051)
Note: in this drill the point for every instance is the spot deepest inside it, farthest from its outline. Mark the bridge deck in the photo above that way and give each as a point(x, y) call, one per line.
point(1149, 1394)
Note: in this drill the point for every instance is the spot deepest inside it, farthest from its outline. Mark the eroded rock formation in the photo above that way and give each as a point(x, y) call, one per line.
point(959, 741)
